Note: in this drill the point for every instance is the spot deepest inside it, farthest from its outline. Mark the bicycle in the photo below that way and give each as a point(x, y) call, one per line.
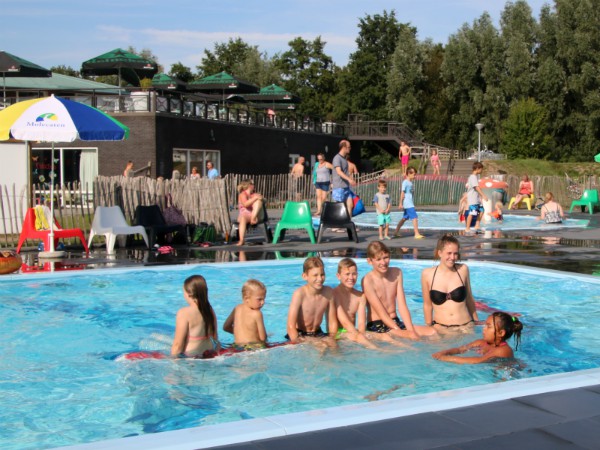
point(573, 188)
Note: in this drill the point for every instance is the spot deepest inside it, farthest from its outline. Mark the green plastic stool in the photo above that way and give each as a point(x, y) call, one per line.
point(296, 216)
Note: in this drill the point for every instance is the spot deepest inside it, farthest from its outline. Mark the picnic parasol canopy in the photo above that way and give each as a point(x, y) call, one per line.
point(14, 66)
point(273, 94)
point(128, 66)
point(167, 82)
point(221, 83)
point(53, 119)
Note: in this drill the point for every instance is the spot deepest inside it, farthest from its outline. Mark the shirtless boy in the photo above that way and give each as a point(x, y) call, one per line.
point(404, 156)
point(350, 305)
point(310, 303)
point(384, 291)
point(246, 320)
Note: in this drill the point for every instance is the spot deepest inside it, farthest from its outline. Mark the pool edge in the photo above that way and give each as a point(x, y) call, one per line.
point(321, 419)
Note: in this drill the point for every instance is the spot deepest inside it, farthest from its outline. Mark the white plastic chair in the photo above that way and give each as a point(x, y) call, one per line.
point(110, 221)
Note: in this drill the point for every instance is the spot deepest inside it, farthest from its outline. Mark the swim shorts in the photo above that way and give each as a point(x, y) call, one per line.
point(404, 160)
point(318, 333)
point(474, 210)
point(410, 213)
point(383, 219)
point(340, 194)
point(322, 186)
point(339, 333)
point(377, 326)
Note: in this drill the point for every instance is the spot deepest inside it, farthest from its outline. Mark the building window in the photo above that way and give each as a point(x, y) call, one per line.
point(71, 165)
point(185, 159)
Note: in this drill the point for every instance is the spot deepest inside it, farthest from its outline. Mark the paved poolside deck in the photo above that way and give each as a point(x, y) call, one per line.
point(564, 417)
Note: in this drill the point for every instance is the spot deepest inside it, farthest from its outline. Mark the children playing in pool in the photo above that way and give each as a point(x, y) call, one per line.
point(310, 303)
point(384, 292)
point(498, 328)
point(196, 324)
point(246, 319)
point(351, 308)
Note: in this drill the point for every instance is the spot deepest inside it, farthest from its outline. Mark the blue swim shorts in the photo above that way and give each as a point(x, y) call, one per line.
point(474, 210)
point(410, 213)
point(322, 186)
point(383, 219)
point(340, 194)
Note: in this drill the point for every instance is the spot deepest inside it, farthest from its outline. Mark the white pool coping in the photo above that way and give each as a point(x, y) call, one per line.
point(321, 419)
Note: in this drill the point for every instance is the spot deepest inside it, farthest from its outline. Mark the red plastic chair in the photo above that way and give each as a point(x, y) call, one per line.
point(29, 232)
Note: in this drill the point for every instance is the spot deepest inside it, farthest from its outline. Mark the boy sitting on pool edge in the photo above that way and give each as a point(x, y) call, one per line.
point(384, 292)
point(310, 303)
point(246, 319)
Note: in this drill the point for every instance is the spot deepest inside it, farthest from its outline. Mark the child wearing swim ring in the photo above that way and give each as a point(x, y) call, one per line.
point(246, 320)
point(498, 328)
point(196, 324)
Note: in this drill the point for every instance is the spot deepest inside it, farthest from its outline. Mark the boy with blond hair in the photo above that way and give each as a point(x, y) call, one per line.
point(246, 320)
point(310, 303)
point(383, 288)
point(382, 206)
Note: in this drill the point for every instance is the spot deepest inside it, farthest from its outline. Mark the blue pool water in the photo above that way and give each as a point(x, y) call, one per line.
point(60, 384)
point(449, 221)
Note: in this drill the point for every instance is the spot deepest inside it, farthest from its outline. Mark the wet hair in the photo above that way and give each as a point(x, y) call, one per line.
point(411, 170)
point(510, 324)
point(312, 263)
point(477, 165)
point(548, 197)
point(345, 263)
point(382, 183)
point(442, 242)
point(245, 184)
point(251, 286)
point(196, 288)
point(376, 248)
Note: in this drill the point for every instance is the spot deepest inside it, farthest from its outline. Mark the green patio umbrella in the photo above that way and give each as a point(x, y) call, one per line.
point(14, 66)
point(167, 82)
point(221, 83)
point(128, 66)
point(273, 94)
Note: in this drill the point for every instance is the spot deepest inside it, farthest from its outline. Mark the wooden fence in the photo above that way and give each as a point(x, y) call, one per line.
point(213, 201)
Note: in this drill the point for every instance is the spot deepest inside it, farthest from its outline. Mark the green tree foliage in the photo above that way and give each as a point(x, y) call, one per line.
point(182, 72)
point(363, 84)
point(240, 59)
point(525, 131)
point(309, 73)
point(65, 70)
point(406, 79)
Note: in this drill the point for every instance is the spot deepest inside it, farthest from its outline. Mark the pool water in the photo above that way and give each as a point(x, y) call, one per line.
point(449, 221)
point(61, 384)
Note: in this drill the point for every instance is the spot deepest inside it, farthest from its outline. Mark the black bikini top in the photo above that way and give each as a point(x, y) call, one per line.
point(457, 295)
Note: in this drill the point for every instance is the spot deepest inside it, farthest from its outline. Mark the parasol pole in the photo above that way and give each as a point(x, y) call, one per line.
point(4, 89)
point(51, 252)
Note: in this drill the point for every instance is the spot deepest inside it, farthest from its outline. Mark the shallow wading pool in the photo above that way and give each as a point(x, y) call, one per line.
point(61, 384)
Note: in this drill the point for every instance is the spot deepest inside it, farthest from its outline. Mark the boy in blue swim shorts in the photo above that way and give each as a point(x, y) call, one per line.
point(474, 197)
point(407, 203)
point(382, 205)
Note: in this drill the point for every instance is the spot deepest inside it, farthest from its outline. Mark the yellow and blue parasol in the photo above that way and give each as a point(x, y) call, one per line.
point(54, 119)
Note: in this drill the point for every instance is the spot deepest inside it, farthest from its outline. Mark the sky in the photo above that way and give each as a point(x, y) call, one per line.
point(69, 32)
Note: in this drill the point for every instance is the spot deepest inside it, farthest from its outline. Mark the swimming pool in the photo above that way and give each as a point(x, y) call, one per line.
point(61, 384)
point(448, 221)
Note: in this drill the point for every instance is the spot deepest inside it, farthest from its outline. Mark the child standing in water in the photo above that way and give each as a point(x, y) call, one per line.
point(196, 324)
point(498, 328)
point(246, 320)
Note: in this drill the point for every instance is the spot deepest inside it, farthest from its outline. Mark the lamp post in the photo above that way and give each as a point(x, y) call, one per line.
point(479, 126)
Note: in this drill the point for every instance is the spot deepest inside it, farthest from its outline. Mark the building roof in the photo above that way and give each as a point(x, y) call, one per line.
point(56, 82)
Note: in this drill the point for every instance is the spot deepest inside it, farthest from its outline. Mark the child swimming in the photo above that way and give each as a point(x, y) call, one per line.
point(246, 320)
point(196, 324)
point(498, 328)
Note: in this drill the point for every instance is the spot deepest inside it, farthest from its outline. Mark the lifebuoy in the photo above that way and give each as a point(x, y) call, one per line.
point(9, 262)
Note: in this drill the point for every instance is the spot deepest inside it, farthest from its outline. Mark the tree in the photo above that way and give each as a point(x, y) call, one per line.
point(181, 72)
point(525, 131)
point(309, 73)
point(363, 85)
point(406, 80)
point(65, 70)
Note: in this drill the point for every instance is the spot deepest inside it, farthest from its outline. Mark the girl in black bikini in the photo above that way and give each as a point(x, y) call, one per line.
point(448, 303)
point(498, 328)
